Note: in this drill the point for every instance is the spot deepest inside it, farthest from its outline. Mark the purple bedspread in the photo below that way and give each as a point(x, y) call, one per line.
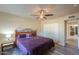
point(35, 45)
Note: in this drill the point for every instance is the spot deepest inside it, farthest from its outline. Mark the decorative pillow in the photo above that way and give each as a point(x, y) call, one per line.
point(22, 36)
point(28, 35)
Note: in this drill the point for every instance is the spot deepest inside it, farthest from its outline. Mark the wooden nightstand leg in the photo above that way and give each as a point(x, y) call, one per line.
point(2, 47)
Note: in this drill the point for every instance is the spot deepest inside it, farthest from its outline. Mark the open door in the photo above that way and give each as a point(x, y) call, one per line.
point(72, 33)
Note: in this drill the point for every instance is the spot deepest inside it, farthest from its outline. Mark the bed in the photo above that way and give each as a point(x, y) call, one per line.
point(35, 45)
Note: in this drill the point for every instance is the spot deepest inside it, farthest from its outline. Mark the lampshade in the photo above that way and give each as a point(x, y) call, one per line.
point(8, 35)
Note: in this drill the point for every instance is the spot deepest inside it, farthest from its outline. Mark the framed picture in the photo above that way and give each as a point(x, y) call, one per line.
point(72, 31)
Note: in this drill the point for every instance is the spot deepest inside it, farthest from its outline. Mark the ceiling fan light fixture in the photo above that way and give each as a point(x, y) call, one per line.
point(41, 16)
point(42, 13)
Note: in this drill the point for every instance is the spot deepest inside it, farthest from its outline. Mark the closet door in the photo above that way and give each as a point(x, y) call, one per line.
point(51, 31)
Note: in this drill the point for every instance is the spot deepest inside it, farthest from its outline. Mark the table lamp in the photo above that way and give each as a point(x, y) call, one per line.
point(8, 36)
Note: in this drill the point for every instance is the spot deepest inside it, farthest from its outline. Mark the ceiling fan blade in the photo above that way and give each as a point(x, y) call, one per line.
point(49, 14)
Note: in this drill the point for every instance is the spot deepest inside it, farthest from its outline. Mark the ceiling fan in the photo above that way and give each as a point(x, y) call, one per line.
point(42, 13)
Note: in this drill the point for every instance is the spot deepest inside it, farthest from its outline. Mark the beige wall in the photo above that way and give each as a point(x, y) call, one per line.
point(9, 22)
point(60, 21)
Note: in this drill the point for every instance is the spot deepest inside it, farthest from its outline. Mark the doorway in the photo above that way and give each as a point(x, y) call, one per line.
point(71, 31)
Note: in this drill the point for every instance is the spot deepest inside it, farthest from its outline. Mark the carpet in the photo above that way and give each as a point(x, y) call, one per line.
point(16, 51)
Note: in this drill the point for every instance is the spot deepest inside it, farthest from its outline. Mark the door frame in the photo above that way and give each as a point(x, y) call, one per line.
point(65, 29)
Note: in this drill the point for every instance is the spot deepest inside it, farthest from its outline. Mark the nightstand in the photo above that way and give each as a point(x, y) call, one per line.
point(6, 44)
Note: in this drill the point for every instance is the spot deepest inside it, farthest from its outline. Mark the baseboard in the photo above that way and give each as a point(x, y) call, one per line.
point(59, 44)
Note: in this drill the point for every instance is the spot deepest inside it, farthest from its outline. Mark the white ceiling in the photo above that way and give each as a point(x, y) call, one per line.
point(26, 10)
